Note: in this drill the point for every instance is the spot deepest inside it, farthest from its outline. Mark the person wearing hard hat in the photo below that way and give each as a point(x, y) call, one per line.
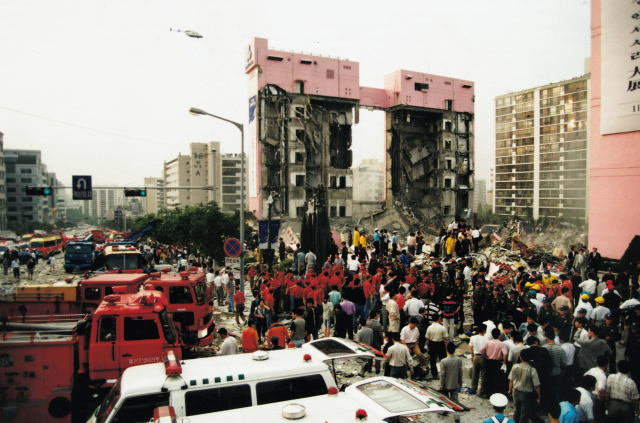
point(499, 403)
point(597, 315)
point(584, 305)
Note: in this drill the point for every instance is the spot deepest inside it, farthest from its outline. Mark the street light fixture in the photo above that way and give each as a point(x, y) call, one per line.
point(198, 112)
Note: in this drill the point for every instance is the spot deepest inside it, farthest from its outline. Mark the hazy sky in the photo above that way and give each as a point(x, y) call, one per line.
point(103, 88)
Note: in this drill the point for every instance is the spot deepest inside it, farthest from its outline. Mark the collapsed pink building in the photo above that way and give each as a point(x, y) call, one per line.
point(301, 111)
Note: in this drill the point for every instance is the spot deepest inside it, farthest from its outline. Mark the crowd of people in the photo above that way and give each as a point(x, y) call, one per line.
point(546, 342)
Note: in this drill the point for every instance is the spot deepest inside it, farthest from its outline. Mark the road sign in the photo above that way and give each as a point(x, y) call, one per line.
point(81, 187)
point(110, 215)
point(233, 263)
point(232, 247)
point(117, 214)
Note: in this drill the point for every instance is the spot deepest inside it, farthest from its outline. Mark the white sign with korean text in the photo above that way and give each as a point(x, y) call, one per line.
point(620, 104)
point(233, 263)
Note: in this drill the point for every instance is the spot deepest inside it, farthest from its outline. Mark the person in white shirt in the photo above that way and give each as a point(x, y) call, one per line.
point(570, 352)
point(584, 410)
point(229, 344)
point(475, 344)
point(353, 265)
point(600, 375)
point(218, 282)
point(413, 305)
point(630, 302)
point(467, 273)
point(597, 315)
point(210, 278)
point(589, 285)
point(584, 305)
point(490, 326)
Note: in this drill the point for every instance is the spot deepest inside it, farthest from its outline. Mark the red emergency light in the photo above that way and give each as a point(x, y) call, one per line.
point(165, 270)
point(361, 414)
point(172, 365)
point(155, 275)
point(68, 280)
point(184, 275)
point(115, 248)
point(112, 299)
point(332, 391)
point(306, 358)
point(164, 414)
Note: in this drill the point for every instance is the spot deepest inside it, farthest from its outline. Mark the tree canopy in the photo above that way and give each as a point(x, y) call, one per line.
point(205, 227)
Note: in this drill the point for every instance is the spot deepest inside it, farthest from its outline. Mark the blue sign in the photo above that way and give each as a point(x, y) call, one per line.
point(117, 215)
point(252, 108)
point(81, 186)
point(263, 233)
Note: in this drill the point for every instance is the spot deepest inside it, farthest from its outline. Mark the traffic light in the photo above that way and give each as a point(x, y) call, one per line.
point(38, 191)
point(135, 193)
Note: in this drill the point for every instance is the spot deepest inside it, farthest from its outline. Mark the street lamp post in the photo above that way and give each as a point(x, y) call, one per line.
point(240, 126)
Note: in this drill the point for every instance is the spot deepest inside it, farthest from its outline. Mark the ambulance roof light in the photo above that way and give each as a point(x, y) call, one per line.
point(306, 358)
point(332, 391)
point(361, 414)
point(172, 366)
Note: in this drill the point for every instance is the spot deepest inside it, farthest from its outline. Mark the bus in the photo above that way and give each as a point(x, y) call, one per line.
point(43, 246)
point(27, 237)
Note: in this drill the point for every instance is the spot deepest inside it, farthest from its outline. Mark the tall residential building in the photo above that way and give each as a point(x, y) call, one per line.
point(204, 166)
point(154, 201)
point(479, 194)
point(542, 150)
point(231, 182)
point(3, 187)
point(104, 201)
point(25, 168)
point(368, 181)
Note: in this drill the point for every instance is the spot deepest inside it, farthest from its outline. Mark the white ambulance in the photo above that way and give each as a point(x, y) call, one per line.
point(376, 400)
point(215, 384)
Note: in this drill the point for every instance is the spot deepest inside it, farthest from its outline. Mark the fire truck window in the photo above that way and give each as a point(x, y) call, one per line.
point(220, 399)
point(92, 294)
point(180, 295)
point(290, 389)
point(108, 290)
point(140, 329)
point(140, 409)
point(107, 329)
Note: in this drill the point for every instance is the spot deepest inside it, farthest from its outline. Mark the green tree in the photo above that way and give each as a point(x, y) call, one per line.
point(204, 227)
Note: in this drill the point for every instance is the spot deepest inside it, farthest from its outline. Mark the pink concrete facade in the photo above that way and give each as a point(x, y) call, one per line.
point(614, 181)
point(339, 78)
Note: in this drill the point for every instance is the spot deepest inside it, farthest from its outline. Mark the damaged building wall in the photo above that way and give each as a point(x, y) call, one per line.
point(306, 153)
point(430, 163)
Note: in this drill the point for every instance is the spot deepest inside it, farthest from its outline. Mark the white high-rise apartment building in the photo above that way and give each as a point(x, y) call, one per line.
point(479, 194)
point(542, 151)
point(368, 185)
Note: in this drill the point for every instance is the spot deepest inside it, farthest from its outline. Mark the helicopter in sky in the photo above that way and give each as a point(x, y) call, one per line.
point(190, 33)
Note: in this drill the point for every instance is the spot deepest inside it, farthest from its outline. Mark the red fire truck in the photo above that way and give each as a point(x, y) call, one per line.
point(189, 300)
point(45, 367)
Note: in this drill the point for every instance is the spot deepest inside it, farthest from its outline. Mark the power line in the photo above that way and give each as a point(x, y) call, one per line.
point(90, 129)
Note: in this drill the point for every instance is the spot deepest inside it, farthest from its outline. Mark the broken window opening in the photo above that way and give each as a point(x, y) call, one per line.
point(339, 143)
point(299, 112)
point(332, 182)
point(421, 87)
point(448, 104)
point(299, 211)
point(447, 126)
point(447, 144)
point(333, 211)
point(449, 164)
point(299, 87)
point(447, 210)
point(300, 135)
point(343, 182)
point(299, 180)
point(447, 182)
point(299, 158)
point(343, 211)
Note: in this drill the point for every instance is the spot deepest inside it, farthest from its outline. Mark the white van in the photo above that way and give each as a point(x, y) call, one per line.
point(376, 400)
point(215, 384)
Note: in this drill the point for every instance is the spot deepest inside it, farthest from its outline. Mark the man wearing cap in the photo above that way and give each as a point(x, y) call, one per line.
point(597, 315)
point(499, 403)
point(584, 305)
point(546, 312)
point(548, 278)
point(610, 333)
